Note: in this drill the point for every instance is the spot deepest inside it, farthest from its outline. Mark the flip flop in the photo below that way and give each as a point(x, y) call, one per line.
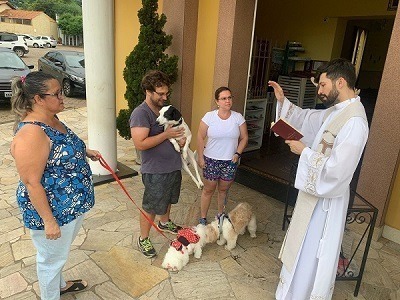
point(76, 286)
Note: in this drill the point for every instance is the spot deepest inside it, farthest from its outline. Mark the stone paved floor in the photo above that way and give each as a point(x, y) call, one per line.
point(105, 251)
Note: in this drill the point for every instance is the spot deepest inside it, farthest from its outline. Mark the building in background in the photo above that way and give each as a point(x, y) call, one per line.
point(25, 21)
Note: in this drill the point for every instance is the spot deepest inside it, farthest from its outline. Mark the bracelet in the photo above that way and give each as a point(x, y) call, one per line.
point(238, 154)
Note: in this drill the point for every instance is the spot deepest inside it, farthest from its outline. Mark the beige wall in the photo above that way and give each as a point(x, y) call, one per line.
point(44, 25)
point(4, 7)
point(182, 25)
point(380, 160)
point(41, 25)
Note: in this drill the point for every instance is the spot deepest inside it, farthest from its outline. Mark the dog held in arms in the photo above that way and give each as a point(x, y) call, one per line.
point(189, 241)
point(169, 115)
point(235, 223)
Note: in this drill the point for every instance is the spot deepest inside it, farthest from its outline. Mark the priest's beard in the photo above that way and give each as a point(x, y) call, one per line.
point(331, 98)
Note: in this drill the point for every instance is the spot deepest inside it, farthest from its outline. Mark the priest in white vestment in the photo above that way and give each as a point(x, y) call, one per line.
point(330, 150)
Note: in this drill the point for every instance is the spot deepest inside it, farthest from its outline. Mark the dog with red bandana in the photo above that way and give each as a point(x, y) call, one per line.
point(189, 241)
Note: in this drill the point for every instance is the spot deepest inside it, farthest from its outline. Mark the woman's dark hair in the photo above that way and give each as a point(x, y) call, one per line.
point(337, 68)
point(220, 90)
point(154, 79)
point(24, 90)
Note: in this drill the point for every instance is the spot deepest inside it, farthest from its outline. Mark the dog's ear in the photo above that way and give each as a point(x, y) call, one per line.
point(176, 115)
point(172, 114)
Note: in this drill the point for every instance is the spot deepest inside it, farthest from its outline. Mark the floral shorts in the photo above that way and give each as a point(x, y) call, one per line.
point(215, 169)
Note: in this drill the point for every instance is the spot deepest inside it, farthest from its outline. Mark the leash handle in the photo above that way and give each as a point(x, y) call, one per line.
point(105, 165)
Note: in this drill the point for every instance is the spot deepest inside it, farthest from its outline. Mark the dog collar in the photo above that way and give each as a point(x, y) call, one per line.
point(179, 123)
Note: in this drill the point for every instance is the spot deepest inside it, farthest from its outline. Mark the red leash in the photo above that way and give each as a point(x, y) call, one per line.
point(104, 164)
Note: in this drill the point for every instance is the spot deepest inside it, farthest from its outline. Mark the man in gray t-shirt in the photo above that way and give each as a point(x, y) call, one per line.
point(161, 163)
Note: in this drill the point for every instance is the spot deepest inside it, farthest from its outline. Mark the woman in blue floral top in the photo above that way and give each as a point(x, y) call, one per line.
point(55, 188)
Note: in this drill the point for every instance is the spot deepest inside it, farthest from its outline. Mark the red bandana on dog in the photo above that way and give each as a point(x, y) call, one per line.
point(185, 237)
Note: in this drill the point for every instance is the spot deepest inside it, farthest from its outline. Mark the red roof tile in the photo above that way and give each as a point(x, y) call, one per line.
point(20, 14)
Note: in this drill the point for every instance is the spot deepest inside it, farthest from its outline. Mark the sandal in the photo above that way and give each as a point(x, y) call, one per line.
point(77, 285)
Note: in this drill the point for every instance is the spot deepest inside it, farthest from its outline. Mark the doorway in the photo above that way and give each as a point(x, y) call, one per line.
point(365, 41)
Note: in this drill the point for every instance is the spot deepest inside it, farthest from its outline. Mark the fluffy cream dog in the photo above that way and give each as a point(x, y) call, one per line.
point(189, 241)
point(235, 223)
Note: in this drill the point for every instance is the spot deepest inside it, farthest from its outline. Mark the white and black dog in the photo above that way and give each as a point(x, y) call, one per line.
point(169, 115)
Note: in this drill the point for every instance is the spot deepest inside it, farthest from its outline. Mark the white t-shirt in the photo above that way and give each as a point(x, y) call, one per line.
point(223, 135)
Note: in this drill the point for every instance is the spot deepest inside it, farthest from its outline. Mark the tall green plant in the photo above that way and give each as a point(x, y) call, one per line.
point(148, 54)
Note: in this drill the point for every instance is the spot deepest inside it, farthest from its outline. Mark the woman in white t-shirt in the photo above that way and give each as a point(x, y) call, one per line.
point(226, 134)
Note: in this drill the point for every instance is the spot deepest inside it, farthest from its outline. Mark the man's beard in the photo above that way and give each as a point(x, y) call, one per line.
point(331, 98)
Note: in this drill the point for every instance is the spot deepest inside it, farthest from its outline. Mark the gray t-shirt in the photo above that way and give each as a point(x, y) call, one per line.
point(162, 158)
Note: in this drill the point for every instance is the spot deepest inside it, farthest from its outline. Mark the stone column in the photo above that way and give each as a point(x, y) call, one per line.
point(98, 31)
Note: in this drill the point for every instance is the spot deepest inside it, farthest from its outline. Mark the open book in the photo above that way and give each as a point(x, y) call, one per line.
point(285, 130)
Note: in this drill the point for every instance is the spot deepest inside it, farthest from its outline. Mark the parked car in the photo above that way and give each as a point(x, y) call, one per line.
point(31, 41)
point(68, 67)
point(13, 42)
point(10, 66)
point(49, 41)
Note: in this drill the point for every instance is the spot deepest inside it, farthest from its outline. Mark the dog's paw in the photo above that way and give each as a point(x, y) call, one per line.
point(253, 235)
point(220, 242)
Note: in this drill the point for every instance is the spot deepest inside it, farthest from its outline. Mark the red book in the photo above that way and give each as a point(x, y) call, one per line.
point(285, 130)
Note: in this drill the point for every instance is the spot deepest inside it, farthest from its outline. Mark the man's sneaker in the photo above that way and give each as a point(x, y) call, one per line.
point(146, 247)
point(170, 227)
point(203, 221)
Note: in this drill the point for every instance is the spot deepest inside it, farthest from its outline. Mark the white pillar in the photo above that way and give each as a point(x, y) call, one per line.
point(98, 30)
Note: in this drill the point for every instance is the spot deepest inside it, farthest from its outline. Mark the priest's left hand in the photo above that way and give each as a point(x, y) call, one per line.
point(295, 146)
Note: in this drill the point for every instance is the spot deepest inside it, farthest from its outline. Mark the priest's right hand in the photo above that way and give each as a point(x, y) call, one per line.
point(277, 90)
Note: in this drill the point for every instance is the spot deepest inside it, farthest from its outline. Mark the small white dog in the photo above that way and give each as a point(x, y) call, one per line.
point(169, 115)
point(235, 223)
point(189, 241)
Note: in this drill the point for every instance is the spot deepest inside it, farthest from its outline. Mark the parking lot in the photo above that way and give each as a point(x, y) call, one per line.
point(32, 59)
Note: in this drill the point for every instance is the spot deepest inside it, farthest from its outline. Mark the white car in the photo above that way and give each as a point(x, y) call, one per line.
point(13, 42)
point(47, 40)
point(32, 42)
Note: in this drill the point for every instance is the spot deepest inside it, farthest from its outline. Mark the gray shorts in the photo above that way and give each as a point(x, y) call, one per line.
point(161, 190)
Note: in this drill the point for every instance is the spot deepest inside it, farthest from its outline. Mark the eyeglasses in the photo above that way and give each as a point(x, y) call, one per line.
point(163, 94)
point(229, 98)
point(59, 94)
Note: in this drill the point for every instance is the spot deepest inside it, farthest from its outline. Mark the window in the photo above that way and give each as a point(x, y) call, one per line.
point(59, 58)
point(26, 22)
point(8, 38)
point(50, 56)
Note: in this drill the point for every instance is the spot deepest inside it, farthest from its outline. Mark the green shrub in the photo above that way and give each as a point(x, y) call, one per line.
point(147, 55)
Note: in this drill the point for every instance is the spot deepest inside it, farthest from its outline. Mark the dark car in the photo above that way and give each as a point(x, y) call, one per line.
point(10, 66)
point(68, 67)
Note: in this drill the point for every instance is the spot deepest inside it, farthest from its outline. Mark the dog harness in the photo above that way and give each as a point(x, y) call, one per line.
point(185, 237)
point(221, 218)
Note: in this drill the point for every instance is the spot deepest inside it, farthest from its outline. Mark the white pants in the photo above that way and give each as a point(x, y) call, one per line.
point(51, 257)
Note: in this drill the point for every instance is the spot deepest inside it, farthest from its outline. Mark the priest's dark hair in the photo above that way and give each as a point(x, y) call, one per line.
point(337, 68)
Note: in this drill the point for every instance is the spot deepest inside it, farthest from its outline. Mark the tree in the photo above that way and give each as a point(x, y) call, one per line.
point(70, 24)
point(147, 55)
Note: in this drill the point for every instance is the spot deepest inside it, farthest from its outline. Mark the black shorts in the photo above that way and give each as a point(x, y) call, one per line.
point(161, 190)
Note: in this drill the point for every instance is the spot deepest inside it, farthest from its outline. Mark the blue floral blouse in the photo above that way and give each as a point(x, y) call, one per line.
point(67, 180)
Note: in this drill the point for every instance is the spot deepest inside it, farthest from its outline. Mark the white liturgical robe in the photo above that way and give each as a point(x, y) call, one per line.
point(313, 273)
